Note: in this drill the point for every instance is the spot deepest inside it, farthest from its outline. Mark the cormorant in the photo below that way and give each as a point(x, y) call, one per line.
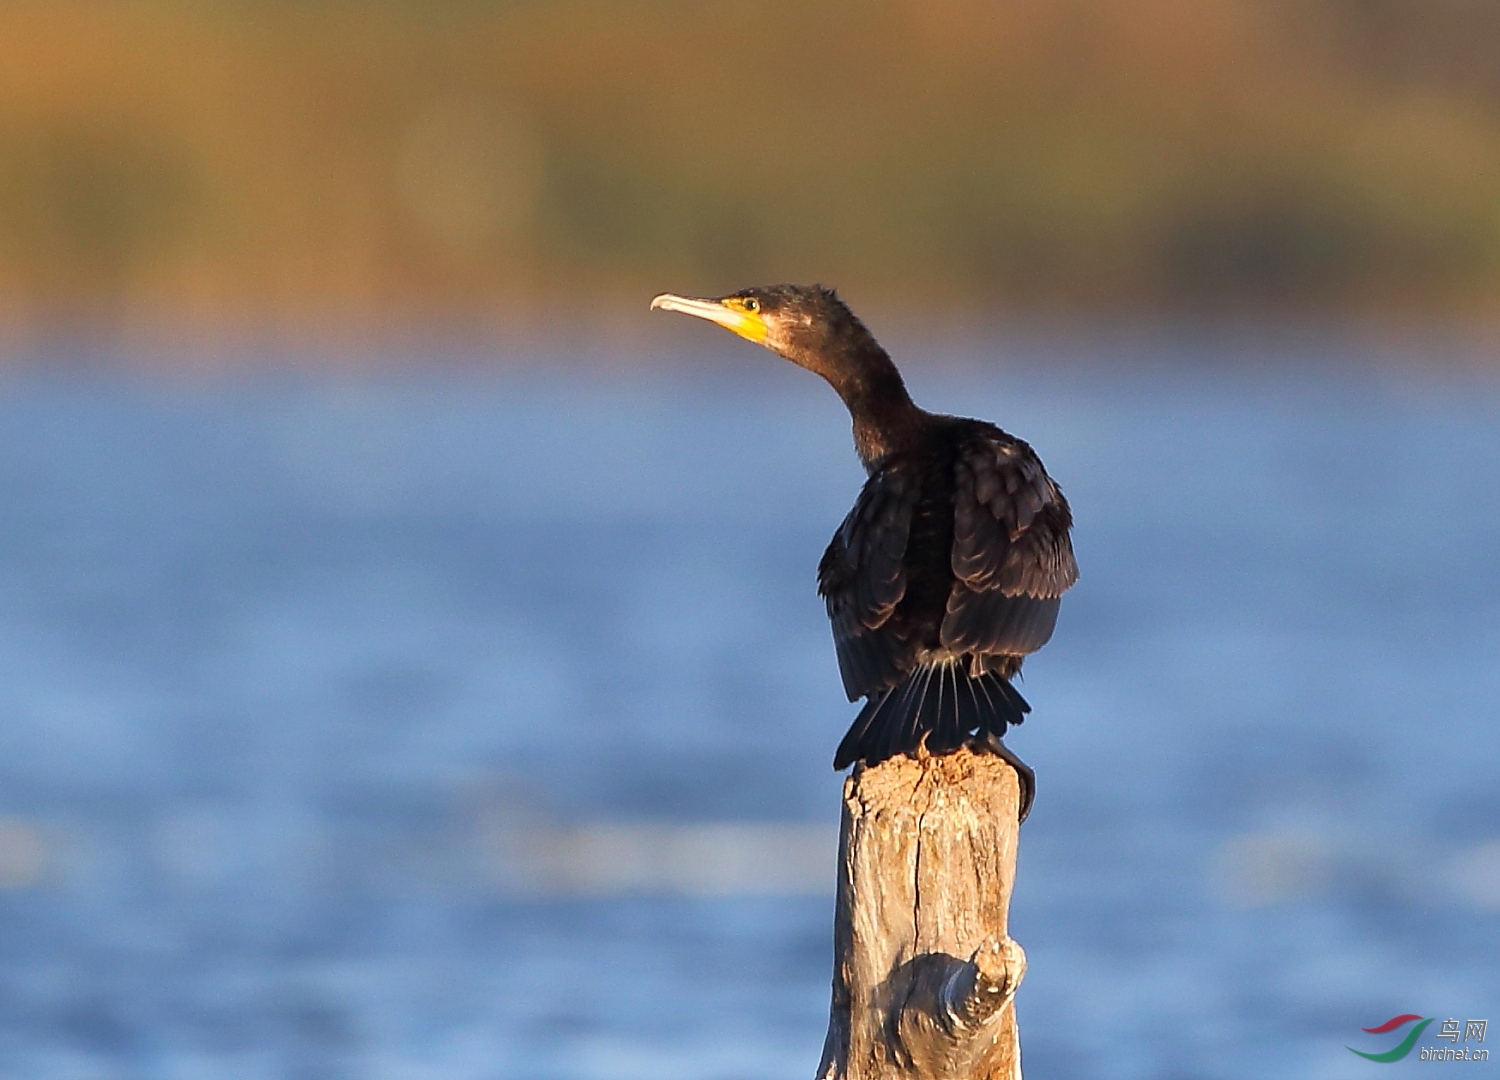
point(952, 564)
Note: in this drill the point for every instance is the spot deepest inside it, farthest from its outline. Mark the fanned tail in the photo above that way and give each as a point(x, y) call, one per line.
point(947, 707)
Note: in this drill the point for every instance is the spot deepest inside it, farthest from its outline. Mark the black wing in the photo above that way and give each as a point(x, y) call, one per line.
point(1012, 559)
point(862, 578)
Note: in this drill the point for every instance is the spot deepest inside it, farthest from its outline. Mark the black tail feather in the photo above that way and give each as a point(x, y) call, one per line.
point(945, 706)
point(968, 717)
point(924, 717)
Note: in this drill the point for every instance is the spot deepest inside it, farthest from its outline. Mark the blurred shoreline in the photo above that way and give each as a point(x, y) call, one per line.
point(626, 340)
point(354, 161)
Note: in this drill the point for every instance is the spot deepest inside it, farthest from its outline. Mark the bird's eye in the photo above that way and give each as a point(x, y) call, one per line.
point(752, 304)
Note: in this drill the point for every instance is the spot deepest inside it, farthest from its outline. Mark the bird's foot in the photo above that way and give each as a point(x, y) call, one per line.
point(995, 745)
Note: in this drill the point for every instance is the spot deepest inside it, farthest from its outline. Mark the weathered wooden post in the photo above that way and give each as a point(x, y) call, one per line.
point(924, 971)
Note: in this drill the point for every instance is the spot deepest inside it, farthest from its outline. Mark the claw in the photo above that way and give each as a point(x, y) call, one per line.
point(1024, 771)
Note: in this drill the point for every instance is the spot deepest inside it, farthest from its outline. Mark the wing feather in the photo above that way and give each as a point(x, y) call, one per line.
point(862, 578)
point(1012, 556)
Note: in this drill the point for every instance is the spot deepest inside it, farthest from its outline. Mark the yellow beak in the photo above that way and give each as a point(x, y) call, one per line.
point(747, 324)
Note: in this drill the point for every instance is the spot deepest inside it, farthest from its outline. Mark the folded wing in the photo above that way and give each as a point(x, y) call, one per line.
point(1012, 558)
point(862, 579)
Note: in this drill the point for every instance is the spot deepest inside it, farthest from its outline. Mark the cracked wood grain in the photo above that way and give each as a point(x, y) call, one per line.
point(924, 970)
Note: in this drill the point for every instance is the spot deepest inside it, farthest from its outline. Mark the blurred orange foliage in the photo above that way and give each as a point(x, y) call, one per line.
point(344, 160)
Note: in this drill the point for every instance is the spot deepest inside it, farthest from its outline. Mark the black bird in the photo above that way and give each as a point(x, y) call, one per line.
point(952, 564)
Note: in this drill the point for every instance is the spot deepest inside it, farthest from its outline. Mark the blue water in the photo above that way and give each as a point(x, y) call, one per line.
point(281, 652)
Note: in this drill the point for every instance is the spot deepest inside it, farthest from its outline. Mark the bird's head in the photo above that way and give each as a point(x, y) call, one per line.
point(807, 324)
point(810, 326)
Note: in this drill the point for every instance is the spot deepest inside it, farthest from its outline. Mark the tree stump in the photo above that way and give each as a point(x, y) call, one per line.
point(924, 971)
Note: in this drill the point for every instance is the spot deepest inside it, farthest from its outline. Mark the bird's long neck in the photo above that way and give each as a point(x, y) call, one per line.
point(864, 376)
point(885, 418)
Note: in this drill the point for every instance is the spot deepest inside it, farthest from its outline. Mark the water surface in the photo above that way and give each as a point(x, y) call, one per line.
point(295, 665)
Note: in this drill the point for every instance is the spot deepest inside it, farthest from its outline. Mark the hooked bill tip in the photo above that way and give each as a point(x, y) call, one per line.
point(704, 309)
